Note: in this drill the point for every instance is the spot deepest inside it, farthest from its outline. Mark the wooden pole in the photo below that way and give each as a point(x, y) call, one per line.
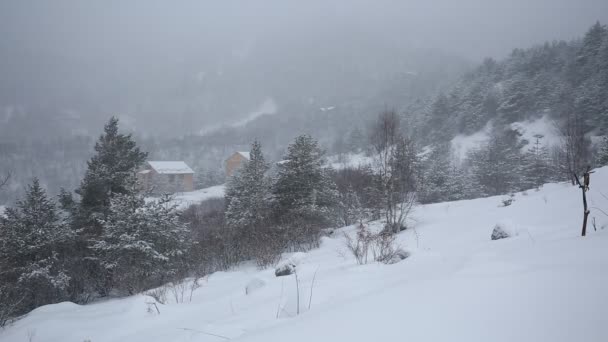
point(585, 208)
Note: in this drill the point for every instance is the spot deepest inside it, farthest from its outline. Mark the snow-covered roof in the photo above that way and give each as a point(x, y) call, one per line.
point(244, 154)
point(143, 172)
point(170, 167)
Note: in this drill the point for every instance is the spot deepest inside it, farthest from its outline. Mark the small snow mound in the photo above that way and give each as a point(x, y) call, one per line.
point(253, 285)
point(56, 308)
point(296, 258)
point(399, 255)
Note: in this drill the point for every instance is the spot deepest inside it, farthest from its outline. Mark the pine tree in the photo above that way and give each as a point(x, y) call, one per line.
point(306, 197)
point(33, 242)
point(111, 170)
point(142, 244)
point(351, 210)
point(248, 192)
point(496, 166)
point(602, 158)
point(537, 163)
point(302, 180)
point(356, 140)
point(442, 180)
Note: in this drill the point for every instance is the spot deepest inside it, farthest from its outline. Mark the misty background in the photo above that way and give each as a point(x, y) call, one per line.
point(196, 80)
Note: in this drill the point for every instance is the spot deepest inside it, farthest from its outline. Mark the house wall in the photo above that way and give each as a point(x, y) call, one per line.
point(233, 163)
point(146, 180)
point(188, 182)
point(166, 183)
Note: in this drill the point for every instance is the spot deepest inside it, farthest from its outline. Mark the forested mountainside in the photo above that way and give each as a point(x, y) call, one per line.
point(559, 79)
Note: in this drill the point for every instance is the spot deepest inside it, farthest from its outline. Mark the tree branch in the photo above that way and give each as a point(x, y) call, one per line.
point(5, 179)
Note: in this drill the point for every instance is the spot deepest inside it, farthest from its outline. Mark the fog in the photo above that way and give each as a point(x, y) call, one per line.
point(205, 63)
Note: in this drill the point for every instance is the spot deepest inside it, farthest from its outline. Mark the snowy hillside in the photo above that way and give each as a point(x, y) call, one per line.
point(349, 160)
point(185, 199)
point(546, 283)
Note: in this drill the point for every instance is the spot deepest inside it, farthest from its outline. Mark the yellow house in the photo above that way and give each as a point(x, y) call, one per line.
point(235, 161)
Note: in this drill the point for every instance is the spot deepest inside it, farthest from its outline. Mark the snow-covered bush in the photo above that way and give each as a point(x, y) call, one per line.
point(285, 270)
point(500, 232)
point(507, 202)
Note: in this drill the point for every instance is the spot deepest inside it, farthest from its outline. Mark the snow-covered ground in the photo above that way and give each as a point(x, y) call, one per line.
point(186, 199)
point(349, 160)
point(542, 127)
point(544, 284)
point(1, 210)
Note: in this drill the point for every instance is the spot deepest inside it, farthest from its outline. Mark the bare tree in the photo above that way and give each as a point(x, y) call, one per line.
point(573, 154)
point(394, 160)
point(4, 180)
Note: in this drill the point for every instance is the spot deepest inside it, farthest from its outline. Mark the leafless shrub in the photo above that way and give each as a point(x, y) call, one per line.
point(507, 202)
point(359, 244)
point(31, 333)
point(178, 290)
point(150, 306)
point(394, 160)
point(381, 245)
point(10, 302)
point(196, 283)
point(4, 179)
point(159, 294)
point(573, 154)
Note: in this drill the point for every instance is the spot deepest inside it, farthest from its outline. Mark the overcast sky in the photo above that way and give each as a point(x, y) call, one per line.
point(470, 28)
point(139, 58)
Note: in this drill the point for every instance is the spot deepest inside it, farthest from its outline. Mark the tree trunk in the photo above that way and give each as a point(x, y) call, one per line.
point(585, 208)
point(586, 214)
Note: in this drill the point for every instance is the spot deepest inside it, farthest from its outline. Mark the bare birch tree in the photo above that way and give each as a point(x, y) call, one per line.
point(394, 160)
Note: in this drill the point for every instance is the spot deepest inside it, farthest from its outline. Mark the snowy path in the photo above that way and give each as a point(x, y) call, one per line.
point(545, 284)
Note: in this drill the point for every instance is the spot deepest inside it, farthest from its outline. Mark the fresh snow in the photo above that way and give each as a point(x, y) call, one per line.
point(546, 283)
point(170, 167)
point(542, 126)
point(186, 199)
point(244, 154)
point(349, 160)
point(462, 144)
point(268, 107)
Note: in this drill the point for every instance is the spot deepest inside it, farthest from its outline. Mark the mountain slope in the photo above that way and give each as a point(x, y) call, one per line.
point(544, 283)
point(557, 79)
